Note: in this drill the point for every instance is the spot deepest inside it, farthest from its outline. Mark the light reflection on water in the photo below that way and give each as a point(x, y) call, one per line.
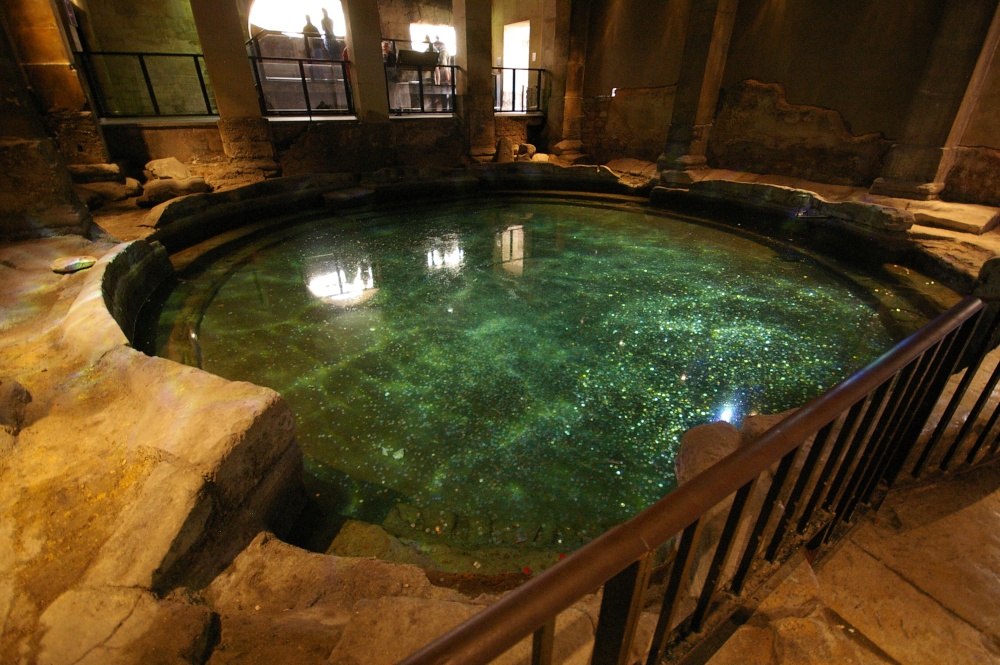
point(514, 364)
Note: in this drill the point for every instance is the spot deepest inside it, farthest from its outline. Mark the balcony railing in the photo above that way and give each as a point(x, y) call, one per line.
point(298, 75)
point(419, 89)
point(303, 86)
point(131, 84)
point(797, 485)
point(518, 90)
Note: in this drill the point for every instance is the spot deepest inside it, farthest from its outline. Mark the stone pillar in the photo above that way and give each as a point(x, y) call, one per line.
point(36, 192)
point(474, 37)
point(572, 121)
point(36, 29)
point(703, 63)
point(222, 30)
point(367, 71)
point(953, 79)
point(556, 20)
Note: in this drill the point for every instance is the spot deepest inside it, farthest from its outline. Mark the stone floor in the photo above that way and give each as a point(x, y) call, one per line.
point(918, 583)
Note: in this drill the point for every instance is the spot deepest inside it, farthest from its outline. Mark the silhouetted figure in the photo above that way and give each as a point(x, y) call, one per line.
point(334, 46)
point(314, 43)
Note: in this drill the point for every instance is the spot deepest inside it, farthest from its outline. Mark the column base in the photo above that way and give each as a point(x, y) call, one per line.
point(246, 138)
point(906, 189)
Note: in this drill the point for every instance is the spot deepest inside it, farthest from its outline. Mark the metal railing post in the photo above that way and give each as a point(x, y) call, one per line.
point(201, 82)
point(149, 83)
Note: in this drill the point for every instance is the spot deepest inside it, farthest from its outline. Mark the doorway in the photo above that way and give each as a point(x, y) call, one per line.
point(516, 56)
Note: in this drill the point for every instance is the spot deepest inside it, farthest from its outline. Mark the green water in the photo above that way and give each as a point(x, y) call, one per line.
point(524, 369)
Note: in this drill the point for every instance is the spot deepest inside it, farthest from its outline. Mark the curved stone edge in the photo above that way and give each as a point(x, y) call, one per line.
point(886, 224)
point(226, 466)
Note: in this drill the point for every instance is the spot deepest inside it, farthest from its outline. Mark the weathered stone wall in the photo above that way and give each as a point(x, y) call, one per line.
point(506, 12)
point(595, 118)
point(521, 129)
point(633, 123)
point(124, 25)
point(634, 44)
point(134, 145)
point(975, 177)
point(151, 27)
point(36, 194)
point(863, 59)
point(34, 28)
point(333, 147)
point(396, 16)
point(757, 130)
point(984, 124)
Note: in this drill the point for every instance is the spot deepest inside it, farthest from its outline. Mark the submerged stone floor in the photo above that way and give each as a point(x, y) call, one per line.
point(917, 583)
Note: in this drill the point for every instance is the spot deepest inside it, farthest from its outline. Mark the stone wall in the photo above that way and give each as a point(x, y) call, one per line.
point(334, 147)
point(134, 145)
point(984, 123)
point(975, 177)
point(151, 27)
point(396, 16)
point(757, 130)
point(634, 44)
point(506, 12)
point(36, 194)
point(521, 129)
point(632, 123)
point(864, 59)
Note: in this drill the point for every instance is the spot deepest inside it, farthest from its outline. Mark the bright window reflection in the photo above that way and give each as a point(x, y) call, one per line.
point(448, 255)
point(510, 242)
point(339, 282)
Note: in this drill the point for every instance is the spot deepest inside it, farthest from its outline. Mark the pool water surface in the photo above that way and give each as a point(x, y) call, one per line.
point(524, 367)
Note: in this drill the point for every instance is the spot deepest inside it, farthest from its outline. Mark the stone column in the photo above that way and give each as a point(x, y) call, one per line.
point(36, 192)
point(474, 37)
point(953, 79)
point(222, 30)
point(703, 63)
point(367, 71)
point(572, 120)
point(556, 20)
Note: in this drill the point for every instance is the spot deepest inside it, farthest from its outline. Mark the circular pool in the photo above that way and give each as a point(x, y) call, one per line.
point(516, 371)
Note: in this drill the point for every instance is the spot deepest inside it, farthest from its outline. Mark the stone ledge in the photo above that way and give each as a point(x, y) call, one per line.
point(858, 217)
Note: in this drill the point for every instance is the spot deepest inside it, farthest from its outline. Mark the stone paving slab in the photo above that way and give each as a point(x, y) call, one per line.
point(927, 536)
point(912, 627)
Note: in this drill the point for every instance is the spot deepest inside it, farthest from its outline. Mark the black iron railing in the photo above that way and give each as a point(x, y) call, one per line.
point(420, 89)
point(797, 485)
point(128, 84)
point(303, 86)
point(301, 75)
point(518, 90)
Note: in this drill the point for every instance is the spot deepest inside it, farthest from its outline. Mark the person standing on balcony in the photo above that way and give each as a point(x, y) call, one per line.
point(314, 43)
point(334, 46)
point(442, 74)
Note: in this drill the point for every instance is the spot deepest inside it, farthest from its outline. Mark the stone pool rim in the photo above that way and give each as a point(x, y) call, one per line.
point(126, 276)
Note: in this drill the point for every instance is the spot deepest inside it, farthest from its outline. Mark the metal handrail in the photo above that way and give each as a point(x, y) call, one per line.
point(428, 97)
point(339, 82)
point(868, 425)
point(104, 109)
point(526, 99)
